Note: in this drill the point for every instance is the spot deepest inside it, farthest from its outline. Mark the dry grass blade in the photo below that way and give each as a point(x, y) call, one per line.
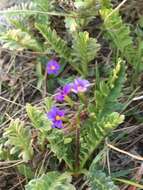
point(125, 152)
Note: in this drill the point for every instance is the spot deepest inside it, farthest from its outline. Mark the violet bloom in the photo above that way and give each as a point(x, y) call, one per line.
point(80, 85)
point(62, 93)
point(55, 115)
point(53, 67)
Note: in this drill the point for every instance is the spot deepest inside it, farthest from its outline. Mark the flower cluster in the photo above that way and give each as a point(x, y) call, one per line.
point(78, 86)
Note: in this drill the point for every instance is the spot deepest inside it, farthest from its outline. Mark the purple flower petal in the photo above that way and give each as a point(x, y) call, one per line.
point(55, 115)
point(52, 67)
point(61, 93)
point(80, 85)
point(59, 124)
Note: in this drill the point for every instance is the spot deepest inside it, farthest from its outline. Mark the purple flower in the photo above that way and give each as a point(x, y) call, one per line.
point(52, 67)
point(55, 115)
point(80, 85)
point(62, 93)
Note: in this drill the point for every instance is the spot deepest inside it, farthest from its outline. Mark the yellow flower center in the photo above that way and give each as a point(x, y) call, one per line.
point(53, 67)
point(58, 118)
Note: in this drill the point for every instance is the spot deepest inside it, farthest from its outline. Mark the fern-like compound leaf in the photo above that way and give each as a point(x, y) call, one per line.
point(40, 122)
point(44, 5)
point(98, 180)
point(56, 43)
point(51, 181)
point(16, 39)
point(103, 118)
point(84, 50)
point(105, 3)
point(118, 33)
point(108, 92)
point(56, 138)
point(29, 5)
point(19, 138)
point(87, 10)
point(94, 132)
point(19, 6)
point(38, 118)
point(62, 146)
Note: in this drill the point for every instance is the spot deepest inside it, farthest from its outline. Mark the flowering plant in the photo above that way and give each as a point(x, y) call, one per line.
point(74, 132)
point(71, 124)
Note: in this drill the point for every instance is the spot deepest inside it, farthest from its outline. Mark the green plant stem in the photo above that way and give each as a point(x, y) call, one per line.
point(87, 156)
point(77, 160)
point(82, 98)
point(36, 12)
point(69, 101)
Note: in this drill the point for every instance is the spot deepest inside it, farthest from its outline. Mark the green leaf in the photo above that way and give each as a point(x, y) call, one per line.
point(87, 10)
point(51, 181)
point(16, 39)
point(40, 122)
point(138, 61)
point(118, 33)
point(94, 131)
point(38, 118)
point(103, 118)
point(26, 171)
point(56, 43)
point(105, 3)
point(71, 24)
point(109, 91)
point(98, 179)
point(84, 50)
point(4, 153)
point(48, 103)
point(19, 138)
point(44, 5)
point(62, 146)
point(40, 75)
